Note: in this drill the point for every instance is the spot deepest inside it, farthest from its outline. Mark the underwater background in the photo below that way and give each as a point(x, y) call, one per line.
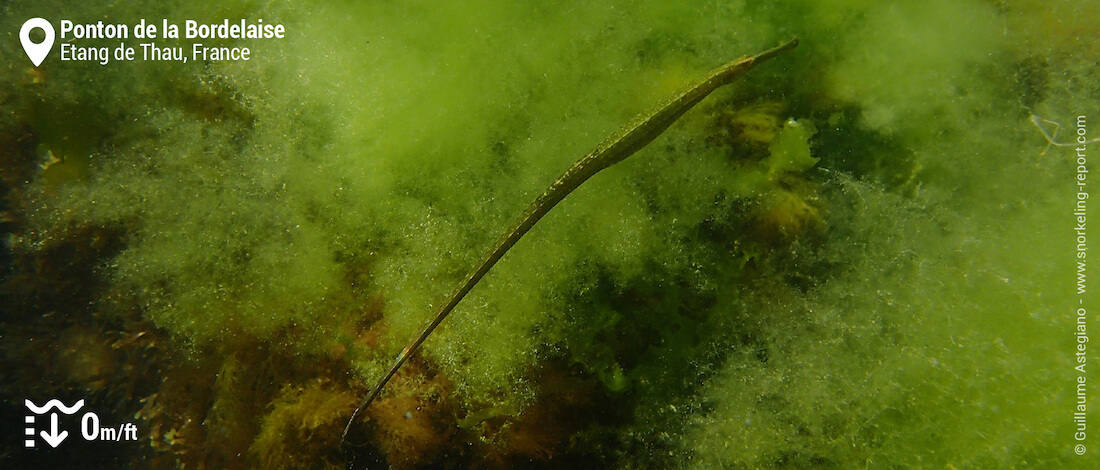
point(862, 254)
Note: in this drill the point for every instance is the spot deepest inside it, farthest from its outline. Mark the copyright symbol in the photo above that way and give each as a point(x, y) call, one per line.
point(1079, 449)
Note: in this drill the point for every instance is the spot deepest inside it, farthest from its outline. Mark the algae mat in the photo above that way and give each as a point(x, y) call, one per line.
point(872, 251)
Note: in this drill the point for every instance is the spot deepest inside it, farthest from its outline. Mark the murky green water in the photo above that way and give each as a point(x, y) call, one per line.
point(228, 253)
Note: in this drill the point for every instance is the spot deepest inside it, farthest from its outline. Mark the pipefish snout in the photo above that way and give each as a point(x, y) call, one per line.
point(622, 144)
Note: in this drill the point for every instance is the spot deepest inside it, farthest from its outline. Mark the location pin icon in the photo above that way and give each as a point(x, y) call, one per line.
point(37, 52)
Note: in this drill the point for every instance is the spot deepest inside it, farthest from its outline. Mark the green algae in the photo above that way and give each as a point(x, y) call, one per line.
point(379, 148)
point(789, 151)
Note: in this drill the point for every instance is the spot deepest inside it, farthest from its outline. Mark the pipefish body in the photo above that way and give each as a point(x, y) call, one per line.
point(637, 134)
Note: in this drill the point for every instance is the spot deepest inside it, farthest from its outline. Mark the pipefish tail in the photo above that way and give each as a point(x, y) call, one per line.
point(637, 134)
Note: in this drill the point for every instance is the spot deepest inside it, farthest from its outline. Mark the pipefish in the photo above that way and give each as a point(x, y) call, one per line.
point(622, 144)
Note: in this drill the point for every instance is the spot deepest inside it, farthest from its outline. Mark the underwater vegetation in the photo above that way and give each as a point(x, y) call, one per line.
point(641, 130)
point(855, 256)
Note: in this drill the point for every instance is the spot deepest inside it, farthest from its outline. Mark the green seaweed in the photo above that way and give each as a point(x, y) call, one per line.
point(887, 291)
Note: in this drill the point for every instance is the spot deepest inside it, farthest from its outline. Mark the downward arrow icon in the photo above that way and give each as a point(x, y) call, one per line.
point(54, 438)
